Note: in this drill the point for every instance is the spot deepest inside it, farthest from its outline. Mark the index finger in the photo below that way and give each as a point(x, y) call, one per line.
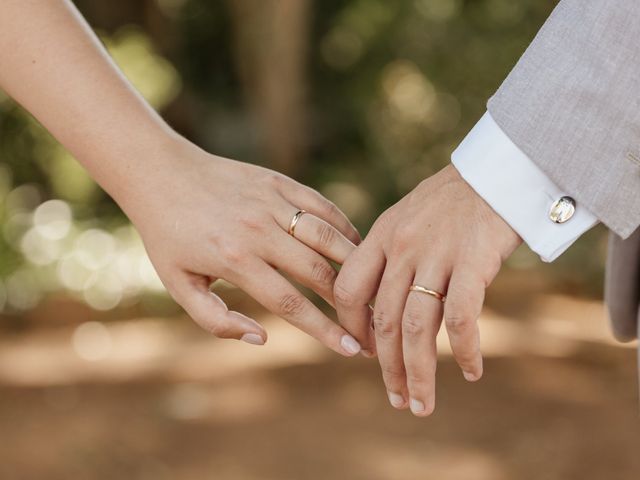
point(276, 294)
point(355, 287)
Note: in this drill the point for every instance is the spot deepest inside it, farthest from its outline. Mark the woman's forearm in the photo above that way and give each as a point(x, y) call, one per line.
point(203, 219)
point(53, 64)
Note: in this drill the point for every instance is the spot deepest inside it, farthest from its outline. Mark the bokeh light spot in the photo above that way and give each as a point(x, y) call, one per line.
point(439, 10)
point(151, 74)
point(38, 249)
point(52, 219)
point(23, 199)
point(23, 291)
point(103, 290)
point(341, 48)
point(92, 341)
point(408, 91)
point(95, 248)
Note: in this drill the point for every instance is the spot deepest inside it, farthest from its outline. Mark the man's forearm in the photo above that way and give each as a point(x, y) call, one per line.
point(53, 64)
point(571, 105)
point(518, 190)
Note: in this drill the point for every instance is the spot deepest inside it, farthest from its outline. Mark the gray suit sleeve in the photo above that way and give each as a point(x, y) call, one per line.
point(572, 104)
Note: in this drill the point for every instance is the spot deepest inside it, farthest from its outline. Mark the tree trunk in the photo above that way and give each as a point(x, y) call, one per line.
point(271, 41)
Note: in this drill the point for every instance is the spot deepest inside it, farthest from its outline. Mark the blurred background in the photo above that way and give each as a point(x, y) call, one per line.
point(103, 376)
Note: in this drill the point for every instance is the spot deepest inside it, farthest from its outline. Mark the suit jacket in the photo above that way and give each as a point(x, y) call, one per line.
point(572, 104)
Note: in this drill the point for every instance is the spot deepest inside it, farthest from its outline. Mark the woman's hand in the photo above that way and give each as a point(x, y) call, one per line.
point(201, 217)
point(444, 238)
point(204, 217)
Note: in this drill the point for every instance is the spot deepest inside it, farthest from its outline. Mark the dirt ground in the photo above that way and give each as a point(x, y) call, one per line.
point(159, 399)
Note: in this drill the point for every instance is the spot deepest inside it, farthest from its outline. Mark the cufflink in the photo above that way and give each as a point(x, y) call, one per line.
point(562, 209)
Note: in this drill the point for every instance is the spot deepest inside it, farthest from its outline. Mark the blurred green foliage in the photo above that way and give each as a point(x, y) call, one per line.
point(392, 87)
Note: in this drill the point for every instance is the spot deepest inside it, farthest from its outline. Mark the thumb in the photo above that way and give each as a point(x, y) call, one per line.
point(211, 313)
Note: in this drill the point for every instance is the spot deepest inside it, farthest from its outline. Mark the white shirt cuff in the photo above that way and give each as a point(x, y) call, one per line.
point(517, 189)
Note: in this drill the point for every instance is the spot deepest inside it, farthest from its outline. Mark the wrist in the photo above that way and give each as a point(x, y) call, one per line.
point(508, 238)
point(130, 172)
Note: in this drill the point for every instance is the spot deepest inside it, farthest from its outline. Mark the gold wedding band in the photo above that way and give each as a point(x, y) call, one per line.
point(428, 291)
point(294, 222)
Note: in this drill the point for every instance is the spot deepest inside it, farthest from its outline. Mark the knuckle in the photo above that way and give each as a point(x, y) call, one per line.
point(412, 324)
point(328, 208)
point(323, 273)
point(253, 222)
point(273, 179)
point(219, 330)
point(466, 356)
point(215, 327)
point(393, 372)
point(417, 377)
point(384, 326)
point(292, 304)
point(232, 253)
point(403, 240)
point(455, 321)
point(465, 359)
point(344, 295)
point(326, 234)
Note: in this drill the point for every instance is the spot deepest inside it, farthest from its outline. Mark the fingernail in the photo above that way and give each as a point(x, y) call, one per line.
point(252, 338)
point(367, 353)
point(395, 400)
point(350, 344)
point(470, 377)
point(416, 406)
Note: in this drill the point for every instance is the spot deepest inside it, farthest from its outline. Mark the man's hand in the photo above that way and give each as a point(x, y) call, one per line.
point(442, 236)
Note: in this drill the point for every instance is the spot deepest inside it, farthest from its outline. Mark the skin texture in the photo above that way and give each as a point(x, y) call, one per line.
point(211, 217)
point(204, 217)
point(201, 217)
point(441, 236)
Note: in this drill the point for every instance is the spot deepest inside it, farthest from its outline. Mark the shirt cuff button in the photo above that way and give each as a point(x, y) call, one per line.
point(562, 209)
